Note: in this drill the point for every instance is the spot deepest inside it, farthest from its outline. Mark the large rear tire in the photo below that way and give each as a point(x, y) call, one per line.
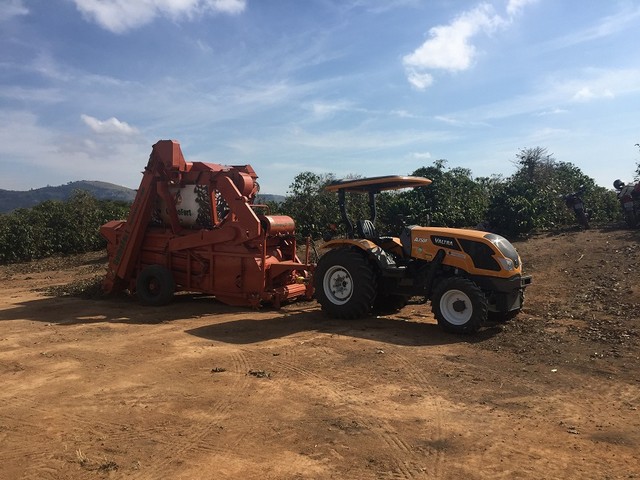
point(345, 283)
point(459, 305)
point(155, 285)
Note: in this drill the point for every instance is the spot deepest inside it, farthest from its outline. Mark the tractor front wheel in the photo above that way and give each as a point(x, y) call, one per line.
point(459, 305)
point(345, 283)
point(155, 285)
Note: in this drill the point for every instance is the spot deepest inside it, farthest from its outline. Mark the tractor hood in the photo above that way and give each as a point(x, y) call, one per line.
point(486, 253)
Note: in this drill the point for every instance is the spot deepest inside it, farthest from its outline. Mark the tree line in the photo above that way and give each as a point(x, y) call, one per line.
point(57, 227)
point(530, 200)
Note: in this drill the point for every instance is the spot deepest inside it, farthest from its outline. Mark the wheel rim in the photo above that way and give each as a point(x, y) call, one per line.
point(338, 285)
point(456, 307)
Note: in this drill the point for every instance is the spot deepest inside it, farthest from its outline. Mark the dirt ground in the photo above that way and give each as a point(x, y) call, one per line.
point(95, 388)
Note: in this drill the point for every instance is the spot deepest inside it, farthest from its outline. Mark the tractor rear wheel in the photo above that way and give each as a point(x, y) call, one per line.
point(345, 283)
point(459, 305)
point(155, 285)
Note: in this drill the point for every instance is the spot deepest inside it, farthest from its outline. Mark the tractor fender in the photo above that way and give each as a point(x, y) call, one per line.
point(380, 258)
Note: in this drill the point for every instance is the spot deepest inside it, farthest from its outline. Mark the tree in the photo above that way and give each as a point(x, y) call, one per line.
point(312, 207)
point(454, 199)
point(55, 227)
point(533, 197)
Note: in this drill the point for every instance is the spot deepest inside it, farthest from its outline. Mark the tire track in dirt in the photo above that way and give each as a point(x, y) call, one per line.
point(421, 380)
point(70, 440)
point(198, 440)
point(586, 412)
point(407, 463)
point(47, 446)
point(81, 423)
point(40, 468)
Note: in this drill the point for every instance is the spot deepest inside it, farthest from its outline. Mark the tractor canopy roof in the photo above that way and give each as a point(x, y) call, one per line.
point(377, 184)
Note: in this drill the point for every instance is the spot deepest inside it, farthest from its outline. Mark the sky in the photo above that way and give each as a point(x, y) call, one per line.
point(348, 87)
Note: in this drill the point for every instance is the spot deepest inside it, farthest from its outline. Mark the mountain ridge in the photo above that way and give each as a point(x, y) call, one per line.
point(14, 199)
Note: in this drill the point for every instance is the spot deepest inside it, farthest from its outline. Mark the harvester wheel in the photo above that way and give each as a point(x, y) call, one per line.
point(155, 285)
point(345, 283)
point(459, 305)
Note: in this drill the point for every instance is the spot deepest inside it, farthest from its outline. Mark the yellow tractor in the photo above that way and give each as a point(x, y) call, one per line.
point(470, 276)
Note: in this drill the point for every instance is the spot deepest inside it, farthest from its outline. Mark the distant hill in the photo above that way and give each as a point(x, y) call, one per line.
point(13, 199)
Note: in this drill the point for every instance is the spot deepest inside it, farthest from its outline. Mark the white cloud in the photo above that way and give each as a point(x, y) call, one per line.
point(12, 8)
point(450, 120)
point(450, 46)
point(232, 7)
point(27, 146)
point(362, 139)
point(382, 6)
point(46, 66)
point(514, 7)
point(587, 93)
point(22, 135)
point(421, 81)
point(597, 84)
point(554, 94)
point(421, 155)
point(594, 84)
point(457, 122)
point(109, 126)
point(584, 93)
point(118, 16)
point(553, 111)
point(32, 95)
point(323, 109)
point(402, 114)
point(624, 19)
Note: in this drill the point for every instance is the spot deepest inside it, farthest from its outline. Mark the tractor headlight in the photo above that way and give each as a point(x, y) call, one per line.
point(506, 263)
point(511, 259)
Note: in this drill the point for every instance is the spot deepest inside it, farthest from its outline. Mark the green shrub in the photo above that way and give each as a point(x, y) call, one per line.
point(55, 227)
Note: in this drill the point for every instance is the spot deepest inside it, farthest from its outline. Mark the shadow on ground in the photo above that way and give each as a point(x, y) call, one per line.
point(398, 331)
point(119, 309)
point(237, 325)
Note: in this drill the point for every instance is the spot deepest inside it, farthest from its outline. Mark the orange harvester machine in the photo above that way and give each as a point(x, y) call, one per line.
point(197, 224)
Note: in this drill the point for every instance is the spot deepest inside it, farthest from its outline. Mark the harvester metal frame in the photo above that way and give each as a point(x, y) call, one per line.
point(231, 251)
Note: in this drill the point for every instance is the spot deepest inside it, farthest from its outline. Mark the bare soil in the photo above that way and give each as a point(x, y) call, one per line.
point(105, 388)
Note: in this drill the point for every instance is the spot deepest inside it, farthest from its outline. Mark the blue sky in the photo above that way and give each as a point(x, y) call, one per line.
point(367, 87)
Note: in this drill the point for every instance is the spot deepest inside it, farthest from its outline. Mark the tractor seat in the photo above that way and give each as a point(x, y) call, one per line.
point(366, 229)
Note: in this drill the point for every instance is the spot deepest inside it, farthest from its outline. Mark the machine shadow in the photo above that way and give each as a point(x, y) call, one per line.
point(381, 329)
point(245, 327)
point(113, 309)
